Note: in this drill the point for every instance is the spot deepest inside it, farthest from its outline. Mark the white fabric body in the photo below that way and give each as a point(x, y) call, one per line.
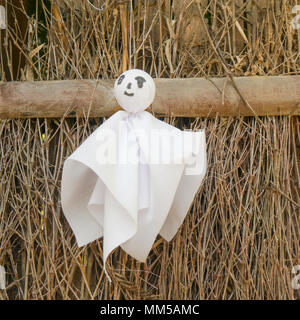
point(128, 204)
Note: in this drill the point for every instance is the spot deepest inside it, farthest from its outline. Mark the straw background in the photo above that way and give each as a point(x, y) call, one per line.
point(240, 239)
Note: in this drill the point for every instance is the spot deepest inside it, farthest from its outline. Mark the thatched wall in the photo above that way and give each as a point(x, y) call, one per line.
point(240, 239)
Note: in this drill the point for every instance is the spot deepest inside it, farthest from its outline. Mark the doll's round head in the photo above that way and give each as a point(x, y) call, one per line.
point(134, 90)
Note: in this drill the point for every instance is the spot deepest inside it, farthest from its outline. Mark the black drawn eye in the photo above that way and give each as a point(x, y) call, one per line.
point(140, 81)
point(121, 79)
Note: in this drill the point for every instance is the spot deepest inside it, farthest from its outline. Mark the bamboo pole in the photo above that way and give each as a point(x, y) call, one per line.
point(194, 97)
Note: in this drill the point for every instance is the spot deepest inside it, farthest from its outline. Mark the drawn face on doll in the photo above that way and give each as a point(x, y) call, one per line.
point(134, 90)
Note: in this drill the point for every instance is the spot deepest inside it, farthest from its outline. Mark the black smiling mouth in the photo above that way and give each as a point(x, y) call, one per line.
point(128, 94)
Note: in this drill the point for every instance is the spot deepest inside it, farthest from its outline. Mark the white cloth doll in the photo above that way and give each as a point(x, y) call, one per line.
point(135, 177)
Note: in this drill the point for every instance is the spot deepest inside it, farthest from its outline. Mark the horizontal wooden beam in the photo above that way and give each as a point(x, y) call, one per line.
point(193, 97)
